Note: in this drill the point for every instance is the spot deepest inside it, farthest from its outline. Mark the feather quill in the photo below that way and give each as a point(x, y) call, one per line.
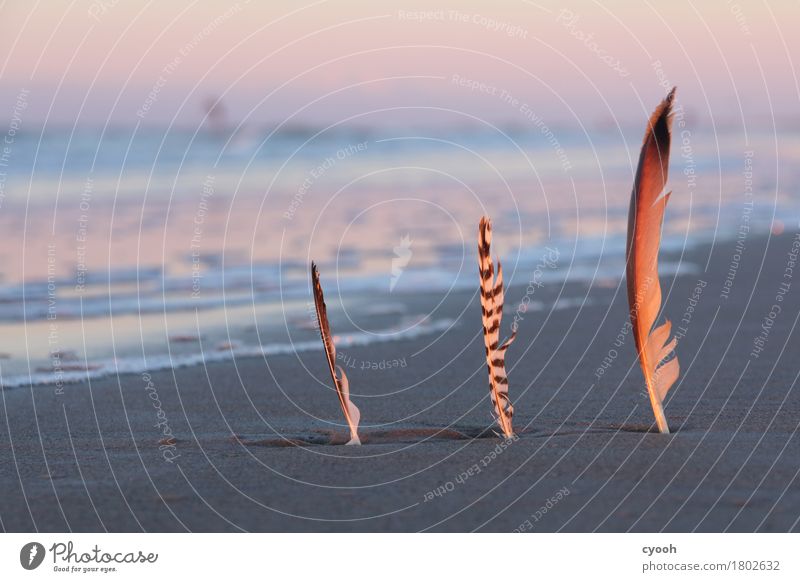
point(492, 310)
point(351, 413)
point(645, 217)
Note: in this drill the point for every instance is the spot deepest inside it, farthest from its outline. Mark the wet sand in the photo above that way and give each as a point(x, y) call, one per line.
point(253, 442)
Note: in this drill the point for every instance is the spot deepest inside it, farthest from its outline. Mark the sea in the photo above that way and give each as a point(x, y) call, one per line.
point(136, 248)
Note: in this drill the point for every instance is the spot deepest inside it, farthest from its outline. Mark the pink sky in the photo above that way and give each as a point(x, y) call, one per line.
point(97, 60)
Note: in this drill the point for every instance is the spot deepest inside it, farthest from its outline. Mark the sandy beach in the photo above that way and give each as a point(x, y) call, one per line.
point(251, 438)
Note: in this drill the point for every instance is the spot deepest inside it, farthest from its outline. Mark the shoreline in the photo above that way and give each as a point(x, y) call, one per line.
point(94, 458)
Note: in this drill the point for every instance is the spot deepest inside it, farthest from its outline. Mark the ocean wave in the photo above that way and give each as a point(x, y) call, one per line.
point(95, 369)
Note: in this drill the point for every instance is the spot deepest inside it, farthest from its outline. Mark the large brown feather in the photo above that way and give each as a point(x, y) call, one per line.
point(492, 311)
point(644, 239)
point(351, 412)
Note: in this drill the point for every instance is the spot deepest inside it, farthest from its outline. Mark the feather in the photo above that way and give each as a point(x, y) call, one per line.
point(492, 310)
point(645, 217)
point(351, 412)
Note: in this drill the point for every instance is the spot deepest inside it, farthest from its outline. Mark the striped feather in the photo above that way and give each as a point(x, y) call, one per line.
point(351, 413)
point(492, 311)
point(644, 239)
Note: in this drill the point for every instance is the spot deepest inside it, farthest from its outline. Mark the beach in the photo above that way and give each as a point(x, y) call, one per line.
point(249, 444)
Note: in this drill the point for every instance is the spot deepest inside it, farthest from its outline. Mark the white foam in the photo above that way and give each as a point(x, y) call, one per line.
point(138, 365)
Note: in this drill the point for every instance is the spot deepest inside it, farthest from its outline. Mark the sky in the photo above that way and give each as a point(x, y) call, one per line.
point(123, 62)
